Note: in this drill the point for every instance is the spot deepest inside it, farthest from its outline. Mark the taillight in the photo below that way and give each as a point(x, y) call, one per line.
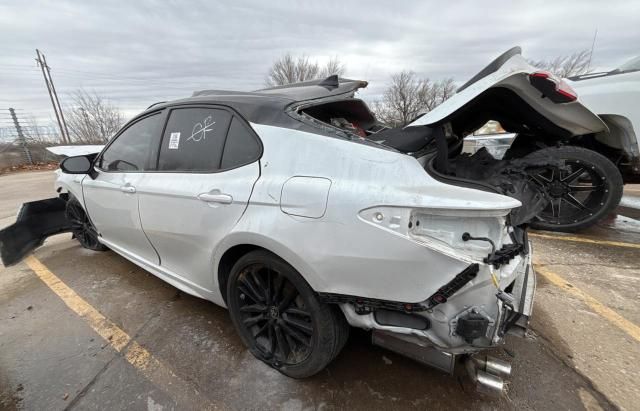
point(557, 90)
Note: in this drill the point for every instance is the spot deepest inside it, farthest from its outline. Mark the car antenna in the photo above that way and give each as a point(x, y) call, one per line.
point(331, 81)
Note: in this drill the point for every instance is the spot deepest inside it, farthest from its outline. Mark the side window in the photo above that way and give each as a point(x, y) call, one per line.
point(241, 146)
point(194, 139)
point(130, 150)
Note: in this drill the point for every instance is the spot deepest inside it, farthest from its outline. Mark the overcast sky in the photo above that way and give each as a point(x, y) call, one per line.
point(139, 52)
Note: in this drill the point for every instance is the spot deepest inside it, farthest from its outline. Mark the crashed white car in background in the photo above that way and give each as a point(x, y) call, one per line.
point(612, 154)
point(299, 212)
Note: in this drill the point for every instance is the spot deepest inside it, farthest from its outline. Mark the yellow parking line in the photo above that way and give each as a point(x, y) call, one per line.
point(118, 339)
point(595, 305)
point(585, 240)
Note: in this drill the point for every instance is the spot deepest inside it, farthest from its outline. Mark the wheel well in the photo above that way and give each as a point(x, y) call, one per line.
point(227, 262)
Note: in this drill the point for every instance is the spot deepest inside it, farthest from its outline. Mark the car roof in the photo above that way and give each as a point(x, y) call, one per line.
point(268, 106)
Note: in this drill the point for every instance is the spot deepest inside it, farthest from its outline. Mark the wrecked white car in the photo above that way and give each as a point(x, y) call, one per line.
point(294, 208)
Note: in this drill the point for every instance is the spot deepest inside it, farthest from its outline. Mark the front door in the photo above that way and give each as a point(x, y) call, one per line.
point(206, 170)
point(111, 198)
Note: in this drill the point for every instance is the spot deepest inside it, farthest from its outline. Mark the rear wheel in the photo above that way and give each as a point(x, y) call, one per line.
point(81, 227)
point(280, 318)
point(586, 190)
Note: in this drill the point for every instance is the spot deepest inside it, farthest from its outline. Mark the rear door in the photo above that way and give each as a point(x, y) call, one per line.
point(111, 198)
point(206, 169)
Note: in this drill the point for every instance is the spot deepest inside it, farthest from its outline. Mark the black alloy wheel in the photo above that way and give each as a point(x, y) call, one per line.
point(581, 193)
point(275, 315)
point(280, 318)
point(82, 227)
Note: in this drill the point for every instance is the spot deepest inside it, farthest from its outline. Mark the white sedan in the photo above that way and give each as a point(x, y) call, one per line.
point(294, 208)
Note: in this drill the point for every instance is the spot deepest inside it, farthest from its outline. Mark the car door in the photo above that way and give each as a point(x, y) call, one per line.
point(111, 197)
point(206, 169)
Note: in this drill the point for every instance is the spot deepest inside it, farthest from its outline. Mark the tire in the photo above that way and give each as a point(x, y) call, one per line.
point(582, 194)
point(82, 227)
point(279, 317)
point(342, 329)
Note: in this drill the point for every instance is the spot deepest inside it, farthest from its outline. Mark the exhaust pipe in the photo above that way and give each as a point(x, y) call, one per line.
point(488, 373)
point(497, 367)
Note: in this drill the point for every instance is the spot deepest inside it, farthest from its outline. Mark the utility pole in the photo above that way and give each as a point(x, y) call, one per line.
point(23, 141)
point(55, 95)
point(54, 100)
point(593, 44)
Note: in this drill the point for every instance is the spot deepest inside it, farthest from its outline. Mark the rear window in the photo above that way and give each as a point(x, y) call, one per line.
point(194, 140)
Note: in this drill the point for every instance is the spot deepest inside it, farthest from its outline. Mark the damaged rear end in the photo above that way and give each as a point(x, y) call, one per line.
point(491, 295)
point(474, 310)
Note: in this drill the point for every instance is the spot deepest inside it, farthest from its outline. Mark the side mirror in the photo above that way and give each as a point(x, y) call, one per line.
point(76, 165)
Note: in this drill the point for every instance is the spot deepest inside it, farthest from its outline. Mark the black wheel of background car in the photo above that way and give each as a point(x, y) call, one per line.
point(280, 318)
point(81, 227)
point(586, 190)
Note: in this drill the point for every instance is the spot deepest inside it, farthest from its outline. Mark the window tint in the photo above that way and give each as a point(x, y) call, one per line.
point(241, 146)
point(194, 139)
point(130, 150)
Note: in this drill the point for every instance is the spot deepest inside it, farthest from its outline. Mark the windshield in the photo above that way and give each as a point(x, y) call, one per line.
point(631, 65)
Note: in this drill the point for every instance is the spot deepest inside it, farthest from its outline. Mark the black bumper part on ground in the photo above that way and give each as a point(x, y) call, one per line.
point(36, 221)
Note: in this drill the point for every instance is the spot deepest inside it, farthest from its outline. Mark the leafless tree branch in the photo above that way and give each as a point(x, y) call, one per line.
point(568, 65)
point(408, 96)
point(92, 119)
point(288, 69)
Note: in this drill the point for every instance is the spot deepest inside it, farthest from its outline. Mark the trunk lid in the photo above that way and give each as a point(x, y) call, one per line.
point(508, 77)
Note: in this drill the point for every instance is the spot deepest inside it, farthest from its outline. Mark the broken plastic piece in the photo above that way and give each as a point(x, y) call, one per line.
point(36, 221)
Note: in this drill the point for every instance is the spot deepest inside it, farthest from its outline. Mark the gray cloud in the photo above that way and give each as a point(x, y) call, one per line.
point(136, 53)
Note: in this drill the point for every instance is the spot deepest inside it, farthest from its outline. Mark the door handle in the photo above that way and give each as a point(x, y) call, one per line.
point(128, 188)
point(215, 198)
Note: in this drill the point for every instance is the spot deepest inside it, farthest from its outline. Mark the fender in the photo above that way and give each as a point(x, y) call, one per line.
point(251, 238)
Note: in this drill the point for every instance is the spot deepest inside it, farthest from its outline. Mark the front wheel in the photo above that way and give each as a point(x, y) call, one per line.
point(585, 190)
point(82, 227)
point(280, 318)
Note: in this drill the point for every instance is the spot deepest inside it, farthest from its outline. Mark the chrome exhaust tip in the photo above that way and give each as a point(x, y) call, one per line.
point(489, 384)
point(488, 372)
point(497, 367)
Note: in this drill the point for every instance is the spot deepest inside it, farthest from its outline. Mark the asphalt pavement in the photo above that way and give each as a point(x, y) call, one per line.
point(89, 330)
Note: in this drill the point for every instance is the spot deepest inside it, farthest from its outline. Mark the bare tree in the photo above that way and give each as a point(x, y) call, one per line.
point(334, 66)
point(568, 65)
point(288, 69)
point(432, 94)
point(92, 119)
point(401, 100)
point(408, 96)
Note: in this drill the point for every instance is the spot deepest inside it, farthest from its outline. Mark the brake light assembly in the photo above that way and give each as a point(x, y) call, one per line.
point(557, 90)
